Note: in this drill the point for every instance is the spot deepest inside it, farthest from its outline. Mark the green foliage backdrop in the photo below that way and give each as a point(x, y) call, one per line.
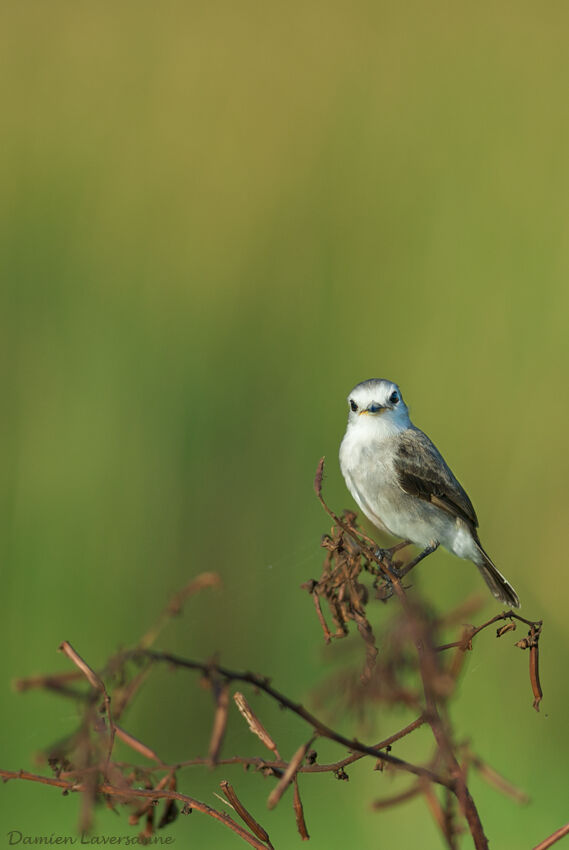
point(215, 219)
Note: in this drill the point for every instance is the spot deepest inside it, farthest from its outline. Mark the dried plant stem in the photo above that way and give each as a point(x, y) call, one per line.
point(456, 783)
point(279, 764)
point(128, 794)
point(427, 668)
point(98, 685)
point(260, 682)
point(553, 838)
point(411, 671)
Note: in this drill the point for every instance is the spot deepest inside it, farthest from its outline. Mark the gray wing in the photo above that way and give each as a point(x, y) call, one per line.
point(422, 472)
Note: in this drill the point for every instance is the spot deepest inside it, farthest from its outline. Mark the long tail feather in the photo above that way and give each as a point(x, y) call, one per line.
point(499, 587)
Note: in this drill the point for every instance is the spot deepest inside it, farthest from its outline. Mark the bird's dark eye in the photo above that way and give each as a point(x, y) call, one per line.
point(353, 405)
point(393, 398)
point(374, 408)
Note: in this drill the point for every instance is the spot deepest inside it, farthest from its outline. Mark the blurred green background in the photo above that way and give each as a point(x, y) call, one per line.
point(216, 218)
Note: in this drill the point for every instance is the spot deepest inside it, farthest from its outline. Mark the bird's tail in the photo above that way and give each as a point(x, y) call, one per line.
point(499, 587)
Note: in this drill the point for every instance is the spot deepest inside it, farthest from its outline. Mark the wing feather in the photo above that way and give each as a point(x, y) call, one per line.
point(422, 472)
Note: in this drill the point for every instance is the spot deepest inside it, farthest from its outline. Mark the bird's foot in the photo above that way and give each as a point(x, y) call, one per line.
point(388, 566)
point(389, 553)
point(384, 587)
point(386, 555)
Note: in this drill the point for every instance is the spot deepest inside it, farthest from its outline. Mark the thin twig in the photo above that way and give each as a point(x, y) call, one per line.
point(289, 774)
point(299, 812)
point(84, 764)
point(262, 684)
point(98, 685)
point(553, 838)
point(465, 641)
point(272, 765)
point(128, 794)
point(244, 814)
point(176, 603)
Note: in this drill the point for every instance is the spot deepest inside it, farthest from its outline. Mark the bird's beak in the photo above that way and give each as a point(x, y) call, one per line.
point(382, 409)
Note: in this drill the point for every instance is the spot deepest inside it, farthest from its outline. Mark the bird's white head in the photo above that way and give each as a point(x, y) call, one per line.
point(377, 405)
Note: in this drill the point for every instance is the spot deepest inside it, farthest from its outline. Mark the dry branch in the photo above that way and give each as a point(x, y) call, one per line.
point(413, 671)
point(553, 838)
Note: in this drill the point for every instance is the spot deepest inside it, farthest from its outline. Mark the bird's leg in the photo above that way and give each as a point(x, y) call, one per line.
point(428, 550)
point(387, 555)
point(399, 546)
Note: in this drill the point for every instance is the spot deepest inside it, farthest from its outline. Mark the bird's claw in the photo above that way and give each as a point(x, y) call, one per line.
point(386, 556)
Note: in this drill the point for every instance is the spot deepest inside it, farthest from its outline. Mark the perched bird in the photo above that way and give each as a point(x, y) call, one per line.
point(403, 485)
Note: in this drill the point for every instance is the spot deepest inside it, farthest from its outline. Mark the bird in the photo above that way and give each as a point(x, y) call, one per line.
point(404, 486)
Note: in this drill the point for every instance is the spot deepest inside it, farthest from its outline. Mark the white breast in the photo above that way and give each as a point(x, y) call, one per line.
point(367, 466)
